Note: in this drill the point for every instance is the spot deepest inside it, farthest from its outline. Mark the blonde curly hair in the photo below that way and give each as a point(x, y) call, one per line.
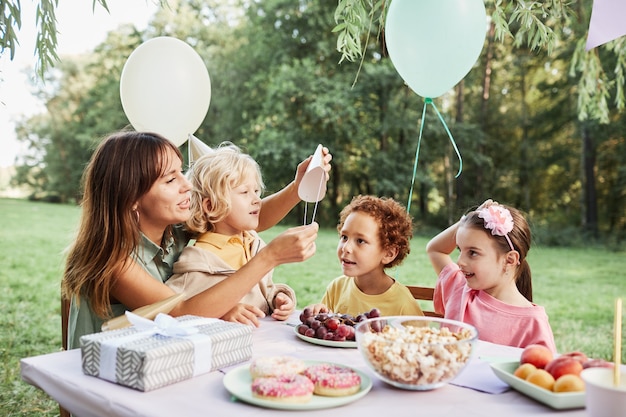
point(213, 177)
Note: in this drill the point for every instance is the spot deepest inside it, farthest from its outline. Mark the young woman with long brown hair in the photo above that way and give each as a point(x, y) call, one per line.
point(135, 199)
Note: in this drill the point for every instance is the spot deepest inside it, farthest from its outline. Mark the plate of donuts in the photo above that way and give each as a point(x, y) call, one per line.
point(329, 343)
point(294, 392)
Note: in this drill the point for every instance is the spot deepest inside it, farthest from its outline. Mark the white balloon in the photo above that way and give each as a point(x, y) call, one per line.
point(165, 88)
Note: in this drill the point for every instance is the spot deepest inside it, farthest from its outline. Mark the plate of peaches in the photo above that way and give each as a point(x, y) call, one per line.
point(551, 380)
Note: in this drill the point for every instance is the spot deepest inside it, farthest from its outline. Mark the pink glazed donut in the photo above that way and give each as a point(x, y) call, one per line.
point(286, 388)
point(333, 380)
point(276, 366)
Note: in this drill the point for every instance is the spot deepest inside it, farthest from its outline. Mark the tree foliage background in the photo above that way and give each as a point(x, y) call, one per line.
point(538, 121)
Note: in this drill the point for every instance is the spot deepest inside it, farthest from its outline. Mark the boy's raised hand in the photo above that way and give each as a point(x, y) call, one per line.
point(318, 308)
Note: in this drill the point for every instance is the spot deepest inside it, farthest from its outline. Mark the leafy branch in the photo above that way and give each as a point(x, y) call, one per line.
point(46, 22)
point(351, 17)
point(10, 19)
point(534, 24)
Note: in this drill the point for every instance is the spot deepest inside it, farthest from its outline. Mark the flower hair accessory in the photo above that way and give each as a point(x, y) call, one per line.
point(498, 219)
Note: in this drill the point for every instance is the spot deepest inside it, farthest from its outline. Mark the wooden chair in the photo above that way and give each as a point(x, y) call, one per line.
point(65, 313)
point(426, 294)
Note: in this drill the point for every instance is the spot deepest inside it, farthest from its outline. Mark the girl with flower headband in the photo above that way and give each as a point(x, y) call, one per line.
point(489, 286)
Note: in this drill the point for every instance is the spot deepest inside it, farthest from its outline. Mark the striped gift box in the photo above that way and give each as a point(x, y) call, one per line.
point(146, 360)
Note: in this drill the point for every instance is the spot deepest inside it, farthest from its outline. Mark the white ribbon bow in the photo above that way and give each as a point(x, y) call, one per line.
point(163, 324)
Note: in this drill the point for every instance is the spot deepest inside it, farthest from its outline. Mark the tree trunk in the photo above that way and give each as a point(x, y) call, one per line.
point(590, 207)
point(455, 199)
point(487, 76)
point(524, 169)
point(484, 109)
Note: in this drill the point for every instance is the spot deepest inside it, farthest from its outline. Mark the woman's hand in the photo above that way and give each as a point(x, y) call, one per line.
point(296, 244)
point(302, 166)
point(244, 314)
point(277, 205)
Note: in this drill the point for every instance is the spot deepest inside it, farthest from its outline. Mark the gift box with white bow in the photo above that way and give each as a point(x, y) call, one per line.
point(152, 354)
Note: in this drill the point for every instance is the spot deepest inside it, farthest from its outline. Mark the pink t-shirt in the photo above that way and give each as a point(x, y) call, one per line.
point(497, 322)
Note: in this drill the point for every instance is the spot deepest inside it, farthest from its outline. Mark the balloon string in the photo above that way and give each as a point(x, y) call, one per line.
point(417, 152)
point(428, 101)
point(458, 154)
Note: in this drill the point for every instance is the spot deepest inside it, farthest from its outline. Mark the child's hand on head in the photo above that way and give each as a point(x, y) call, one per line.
point(487, 203)
point(283, 307)
point(244, 314)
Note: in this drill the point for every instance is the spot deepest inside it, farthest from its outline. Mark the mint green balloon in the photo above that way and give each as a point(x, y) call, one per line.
point(433, 44)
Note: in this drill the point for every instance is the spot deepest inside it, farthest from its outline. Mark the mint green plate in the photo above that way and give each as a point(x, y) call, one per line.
point(558, 401)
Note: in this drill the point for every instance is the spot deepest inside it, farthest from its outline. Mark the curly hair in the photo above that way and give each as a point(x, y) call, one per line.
point(395, 226)
point(213, 176)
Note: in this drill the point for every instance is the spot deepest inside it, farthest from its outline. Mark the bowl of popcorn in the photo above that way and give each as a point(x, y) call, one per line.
point(416, 352)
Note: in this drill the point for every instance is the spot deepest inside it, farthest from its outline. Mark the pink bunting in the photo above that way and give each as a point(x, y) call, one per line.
point(607, 22)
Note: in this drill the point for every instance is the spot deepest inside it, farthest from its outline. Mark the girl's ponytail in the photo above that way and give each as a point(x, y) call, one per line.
point(523, 281)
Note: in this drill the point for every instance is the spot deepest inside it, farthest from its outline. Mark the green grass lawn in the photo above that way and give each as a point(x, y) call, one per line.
point(577, 287)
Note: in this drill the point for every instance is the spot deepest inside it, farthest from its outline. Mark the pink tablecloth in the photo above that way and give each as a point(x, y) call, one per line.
point(60, 375)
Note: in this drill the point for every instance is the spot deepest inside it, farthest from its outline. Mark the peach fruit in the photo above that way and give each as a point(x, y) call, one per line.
point(541, 378)
point(597, 363)
point(579, 356)
point(538, 355)
point(569, 383)
point(524, 370)
point(564, 365)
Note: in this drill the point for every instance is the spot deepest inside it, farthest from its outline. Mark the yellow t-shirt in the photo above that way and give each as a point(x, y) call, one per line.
point(232, 249)
point(343, 296)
